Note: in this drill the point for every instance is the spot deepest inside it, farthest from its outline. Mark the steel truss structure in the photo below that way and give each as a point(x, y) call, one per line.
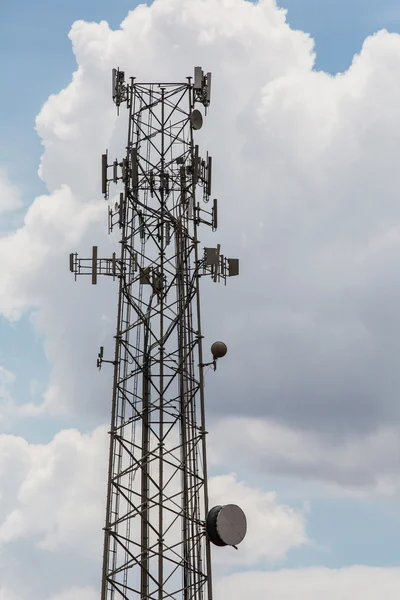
point(155, 544)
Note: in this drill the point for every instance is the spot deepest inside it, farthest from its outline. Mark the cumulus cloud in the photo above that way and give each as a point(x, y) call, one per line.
point(55, 497)
point(54, 494)
point(53, 504)
point(306, 169)
point(367, 583)
point(273, 529)
point(77, 124)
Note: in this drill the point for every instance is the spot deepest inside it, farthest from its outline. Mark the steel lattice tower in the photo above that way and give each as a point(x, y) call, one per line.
point(157, 538)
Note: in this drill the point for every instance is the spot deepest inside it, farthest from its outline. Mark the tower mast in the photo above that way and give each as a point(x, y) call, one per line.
point(158, 525)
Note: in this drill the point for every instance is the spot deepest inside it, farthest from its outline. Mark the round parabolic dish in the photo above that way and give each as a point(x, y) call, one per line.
point(219, 349)
point(231, 525)
point(196, 119)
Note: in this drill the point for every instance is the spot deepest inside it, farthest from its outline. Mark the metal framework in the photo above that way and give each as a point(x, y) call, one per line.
point(155, 544)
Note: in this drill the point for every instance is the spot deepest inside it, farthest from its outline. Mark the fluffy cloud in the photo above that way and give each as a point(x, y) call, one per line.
point(341, 584)
point(54, 494)
point(272, 530)
point(55, 497)
point(307, 168)
point(78, 123)
point(53, 503)
point(361, 465)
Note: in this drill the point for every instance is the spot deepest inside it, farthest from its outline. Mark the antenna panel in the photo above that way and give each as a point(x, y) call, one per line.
point(222, 265)
point(114, 84)
point(124, 170)
point(233, 267)
point(167, 233)
point(196, 165)
point(121, 209)
point(183, 184)
point(104, 174)
point(211, 256)
point(209, 174)
point(134, 167)
point(208, 90)
point(94, 265)
point(198, 78)
point(215, 214)
point(191, 207)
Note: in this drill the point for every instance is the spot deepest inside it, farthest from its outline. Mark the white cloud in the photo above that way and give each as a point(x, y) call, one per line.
point(306, 163)
point(78, 123)
point(53, 503)
point(307, 167)
point(367, 583)
point(272, 528)
point(54, 494)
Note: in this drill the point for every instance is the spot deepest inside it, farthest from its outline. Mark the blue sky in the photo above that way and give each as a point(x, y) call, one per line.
point(339, 27)
point(366, 534)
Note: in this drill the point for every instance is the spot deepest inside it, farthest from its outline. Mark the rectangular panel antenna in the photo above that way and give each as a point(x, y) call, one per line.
point(211, 255)
point(94, 265)
point(215, 214)
point(71, 263)
point(104, 174)
point(196, 165)
point(121, 209)
point(216, 268)
point(134, 167)
point(114, 264)
point(183, 185)
point(142, 231)
point(198, 78)
point(191, 207)
point(208, 92)
point(233, 266)
point(114, 83)
point(167, 233)
point(209, 174)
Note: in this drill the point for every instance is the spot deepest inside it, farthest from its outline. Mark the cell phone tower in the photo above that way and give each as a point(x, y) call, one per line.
point(158, 527)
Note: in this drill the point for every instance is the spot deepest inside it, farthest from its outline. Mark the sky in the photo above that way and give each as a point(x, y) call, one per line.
point(305, 106)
